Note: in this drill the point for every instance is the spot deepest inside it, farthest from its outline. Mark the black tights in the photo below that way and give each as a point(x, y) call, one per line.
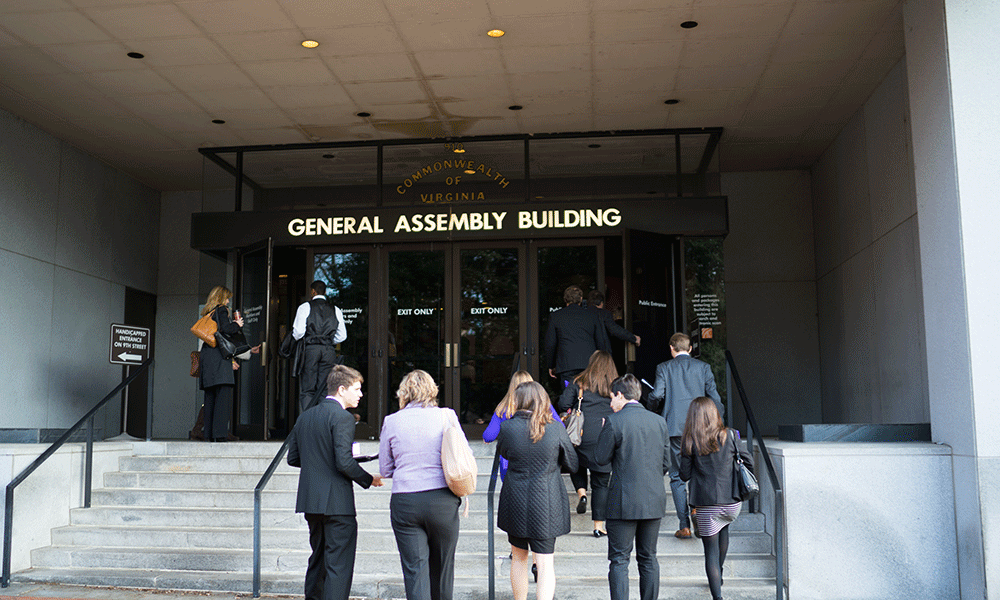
point(716, 547)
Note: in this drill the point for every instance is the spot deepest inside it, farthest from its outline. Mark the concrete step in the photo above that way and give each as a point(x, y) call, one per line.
point(578, 564)
point(474, 538)
point(385, 586)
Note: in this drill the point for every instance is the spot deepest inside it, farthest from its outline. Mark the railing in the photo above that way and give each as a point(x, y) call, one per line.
point(257, 491)
point(779, 498)
point(88, 470)
point(490, 523)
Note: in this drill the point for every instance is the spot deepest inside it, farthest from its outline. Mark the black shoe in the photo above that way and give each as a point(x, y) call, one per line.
point(534, 572)
point(581, 506)
point(598, 533)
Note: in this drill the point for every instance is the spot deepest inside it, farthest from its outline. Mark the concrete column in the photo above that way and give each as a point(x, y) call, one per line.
point(954, 80)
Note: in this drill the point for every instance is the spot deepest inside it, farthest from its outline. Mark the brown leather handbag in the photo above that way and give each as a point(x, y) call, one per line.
point(195, 363)
point(205, 329)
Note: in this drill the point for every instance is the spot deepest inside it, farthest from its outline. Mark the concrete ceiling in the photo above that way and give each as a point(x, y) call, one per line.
point(781, 76)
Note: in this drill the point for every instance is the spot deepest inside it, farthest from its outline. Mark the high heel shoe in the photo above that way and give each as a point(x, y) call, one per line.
point(581, 506)
point(598, 533)
point(534, 572)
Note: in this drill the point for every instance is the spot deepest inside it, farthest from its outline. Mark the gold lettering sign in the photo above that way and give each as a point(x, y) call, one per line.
point(478, 169)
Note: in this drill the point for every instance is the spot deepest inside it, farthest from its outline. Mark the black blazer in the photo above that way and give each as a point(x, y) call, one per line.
point(320, 444)
point(635, 445)
point(710, 476)
point(534, 503)
point(611, 328)
point(595, 407)
point(573, 334)
point(216, 369)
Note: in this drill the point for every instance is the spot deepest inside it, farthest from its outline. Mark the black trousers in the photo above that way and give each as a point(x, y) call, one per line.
point(218, 406)
point(621, 533)
point(316, 364)
point(334, 542)
point(426, 529)
point(599, 487)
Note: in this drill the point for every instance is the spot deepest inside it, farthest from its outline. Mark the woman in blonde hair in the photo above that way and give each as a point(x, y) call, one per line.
point(422, 510)
point(506, 410)
point(533, 507)
point(708, 449)
point(217, 377)
point(592, 390)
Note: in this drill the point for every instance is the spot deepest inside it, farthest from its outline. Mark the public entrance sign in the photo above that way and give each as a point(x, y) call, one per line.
point(129, 345)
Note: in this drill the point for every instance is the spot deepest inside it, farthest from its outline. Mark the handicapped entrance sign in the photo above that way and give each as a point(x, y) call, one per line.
point(129, 345)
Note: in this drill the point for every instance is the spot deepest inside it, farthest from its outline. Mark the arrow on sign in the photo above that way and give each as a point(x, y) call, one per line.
point(126, 356)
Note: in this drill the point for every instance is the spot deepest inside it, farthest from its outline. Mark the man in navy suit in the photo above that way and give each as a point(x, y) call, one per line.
point(574, 334)
point(635, 442)
point(320, 444)
point(679, 381)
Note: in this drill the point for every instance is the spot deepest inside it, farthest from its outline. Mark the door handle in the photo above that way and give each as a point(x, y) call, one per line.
point(447, 355)
point(263, 354)
point(456, 352)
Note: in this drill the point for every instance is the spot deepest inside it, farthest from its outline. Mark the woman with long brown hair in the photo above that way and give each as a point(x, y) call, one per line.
point(708, 450)
point(591, 389)
point(533, 507)
point(217, 377)
point(505, 410)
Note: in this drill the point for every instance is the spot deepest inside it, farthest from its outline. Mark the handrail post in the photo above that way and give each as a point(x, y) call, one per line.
point(88, 471)
point(489, 524)
point(8, 526)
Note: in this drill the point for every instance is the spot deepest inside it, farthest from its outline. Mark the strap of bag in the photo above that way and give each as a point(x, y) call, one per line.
point(579, 398)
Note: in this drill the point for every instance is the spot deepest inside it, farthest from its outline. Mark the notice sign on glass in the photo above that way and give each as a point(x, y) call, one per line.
point(129, 345)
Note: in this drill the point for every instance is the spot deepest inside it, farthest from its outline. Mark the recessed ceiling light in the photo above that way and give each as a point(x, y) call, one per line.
point(495, 33)
point(469, 172)
point(218, 121)
point(310, 43)
point(327, 156)
point(135, 55)
point(515, 107)
point(594, 146)
point(672, 101)
point(364, 114)
point(689, 24)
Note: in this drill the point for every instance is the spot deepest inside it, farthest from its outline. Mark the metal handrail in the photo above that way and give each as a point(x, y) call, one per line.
point(264, 479)
point(89, 420)
point(489, 522)
point(779, 497)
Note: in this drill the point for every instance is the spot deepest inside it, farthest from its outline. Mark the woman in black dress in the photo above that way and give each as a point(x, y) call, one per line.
point(217, 377)
point(534, 508)
point(708, 450)
point(592, 388)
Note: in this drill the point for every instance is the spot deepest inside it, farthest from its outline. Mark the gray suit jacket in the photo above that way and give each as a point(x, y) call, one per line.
point(678, 382)
point(634, 442)
point(320, 444)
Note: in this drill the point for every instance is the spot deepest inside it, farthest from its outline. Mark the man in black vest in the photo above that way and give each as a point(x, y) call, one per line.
point(319, 326)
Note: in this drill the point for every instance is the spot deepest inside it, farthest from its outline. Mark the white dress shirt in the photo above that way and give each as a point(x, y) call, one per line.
point(302, 313)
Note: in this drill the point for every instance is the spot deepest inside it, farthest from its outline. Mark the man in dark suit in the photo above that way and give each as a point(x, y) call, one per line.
point(595, 302)
point(635, 442)
point(320, 444)
point(679, 381)
point(574, 334)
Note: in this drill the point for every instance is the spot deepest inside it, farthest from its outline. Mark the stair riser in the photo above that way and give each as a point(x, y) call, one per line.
point(241, 539)
point(737, 566)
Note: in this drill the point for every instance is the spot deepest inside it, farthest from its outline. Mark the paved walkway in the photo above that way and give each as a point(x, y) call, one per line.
point(30, 591)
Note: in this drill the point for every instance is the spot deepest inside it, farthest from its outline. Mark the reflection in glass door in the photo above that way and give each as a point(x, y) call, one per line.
point(253, 301)
point(416, 319)
point(490, 330)
point(347, 277)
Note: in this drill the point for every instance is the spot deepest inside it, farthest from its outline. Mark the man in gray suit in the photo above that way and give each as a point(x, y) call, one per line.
point(320, 444)
point(678, 382)
point(635, 442)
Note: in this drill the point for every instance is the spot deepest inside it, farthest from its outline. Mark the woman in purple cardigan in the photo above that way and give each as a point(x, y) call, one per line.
point(506, 410)
point(422, 510)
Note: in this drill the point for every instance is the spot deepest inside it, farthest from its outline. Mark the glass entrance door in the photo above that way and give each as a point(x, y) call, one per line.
point(489, 345)
point(253, 300)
